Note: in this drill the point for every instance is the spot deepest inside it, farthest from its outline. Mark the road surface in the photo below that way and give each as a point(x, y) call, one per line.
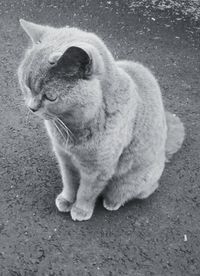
point(158, 236)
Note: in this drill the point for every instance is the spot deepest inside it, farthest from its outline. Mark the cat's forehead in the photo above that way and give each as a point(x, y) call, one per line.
point(54, 42)
point(36, 59)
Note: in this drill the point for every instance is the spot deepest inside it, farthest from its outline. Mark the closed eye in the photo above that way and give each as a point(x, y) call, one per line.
point(49, 99)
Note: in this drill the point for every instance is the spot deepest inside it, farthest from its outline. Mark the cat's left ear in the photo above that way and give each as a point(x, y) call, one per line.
point(34, 31)
point(75, 61)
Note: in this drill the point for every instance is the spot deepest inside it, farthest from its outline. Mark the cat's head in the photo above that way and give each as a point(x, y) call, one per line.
point(61, 71)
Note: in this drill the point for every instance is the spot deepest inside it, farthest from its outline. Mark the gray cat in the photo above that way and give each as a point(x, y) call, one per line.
point(105, 118)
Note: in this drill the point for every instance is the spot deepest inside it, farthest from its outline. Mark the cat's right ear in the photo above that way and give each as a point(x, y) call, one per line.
point(34, 31)
point(75, 61)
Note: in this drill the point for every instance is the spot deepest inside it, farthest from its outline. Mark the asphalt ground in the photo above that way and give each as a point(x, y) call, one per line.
point(157, 236)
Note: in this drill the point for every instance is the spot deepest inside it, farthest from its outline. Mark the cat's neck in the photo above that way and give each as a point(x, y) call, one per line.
point(82, 132)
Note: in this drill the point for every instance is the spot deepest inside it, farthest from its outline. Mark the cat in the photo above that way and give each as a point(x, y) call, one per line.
point(105, 118)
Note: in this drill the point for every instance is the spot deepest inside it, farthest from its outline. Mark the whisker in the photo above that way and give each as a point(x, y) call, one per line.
point(62, 128)
point(65, 131)
point(59, 130)
point(64, 125)
point(51, 117)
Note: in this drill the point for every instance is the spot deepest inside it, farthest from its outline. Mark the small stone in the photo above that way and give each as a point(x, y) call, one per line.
point(185, 238)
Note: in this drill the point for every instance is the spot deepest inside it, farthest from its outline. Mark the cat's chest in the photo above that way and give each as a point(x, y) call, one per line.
point(96, 152)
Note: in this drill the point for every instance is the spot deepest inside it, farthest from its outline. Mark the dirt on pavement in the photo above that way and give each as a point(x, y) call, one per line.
point(157, 236)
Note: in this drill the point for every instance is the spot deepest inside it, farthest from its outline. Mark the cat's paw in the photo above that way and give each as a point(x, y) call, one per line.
point(80, 214)
point(111, 206)
point(63, 204)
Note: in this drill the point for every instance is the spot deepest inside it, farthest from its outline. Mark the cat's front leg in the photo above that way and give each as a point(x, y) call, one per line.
point(70, 180)
point(91, 185)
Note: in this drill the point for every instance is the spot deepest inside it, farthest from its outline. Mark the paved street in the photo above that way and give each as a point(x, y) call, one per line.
point(158, 236)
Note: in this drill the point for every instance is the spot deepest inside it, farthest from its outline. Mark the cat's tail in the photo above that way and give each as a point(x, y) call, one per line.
point(175, 134)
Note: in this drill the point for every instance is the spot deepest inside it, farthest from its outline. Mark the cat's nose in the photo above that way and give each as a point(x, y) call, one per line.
point(34, 104)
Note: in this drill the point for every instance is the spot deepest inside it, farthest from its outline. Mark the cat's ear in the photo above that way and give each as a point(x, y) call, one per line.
point(34, 31)
point(75, 61)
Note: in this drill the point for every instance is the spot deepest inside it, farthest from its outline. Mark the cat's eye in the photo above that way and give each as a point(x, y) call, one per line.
point(50, 97)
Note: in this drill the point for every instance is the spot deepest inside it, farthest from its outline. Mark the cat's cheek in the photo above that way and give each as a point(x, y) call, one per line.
point(52, 107)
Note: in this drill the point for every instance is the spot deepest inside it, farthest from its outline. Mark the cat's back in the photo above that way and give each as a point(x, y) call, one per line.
point(147, 85)
point(150, 123)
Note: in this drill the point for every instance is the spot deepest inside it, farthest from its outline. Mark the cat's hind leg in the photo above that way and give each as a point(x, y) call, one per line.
point(139, 183)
